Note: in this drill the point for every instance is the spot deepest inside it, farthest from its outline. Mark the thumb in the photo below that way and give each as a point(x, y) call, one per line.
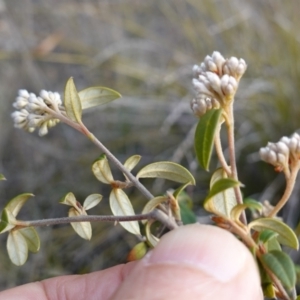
point(193, 262)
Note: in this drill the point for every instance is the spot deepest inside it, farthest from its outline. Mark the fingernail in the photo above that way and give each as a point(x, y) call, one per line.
point(211, 250)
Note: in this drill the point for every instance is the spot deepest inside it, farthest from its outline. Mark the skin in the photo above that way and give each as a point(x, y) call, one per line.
point(191, 262)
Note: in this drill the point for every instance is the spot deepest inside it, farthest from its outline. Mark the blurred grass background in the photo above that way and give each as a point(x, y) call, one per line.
point(145, 50)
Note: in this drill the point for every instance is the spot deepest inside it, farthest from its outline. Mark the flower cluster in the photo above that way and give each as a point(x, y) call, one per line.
point(283, 153)
point(36, 111)
point(216, 78)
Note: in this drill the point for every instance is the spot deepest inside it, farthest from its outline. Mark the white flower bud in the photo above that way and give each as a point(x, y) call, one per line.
point(219, 60)
point(214, 82)
point(283, 148)
point(201, 88)
point(43, 130)
point(235, 67)
point(228, 85)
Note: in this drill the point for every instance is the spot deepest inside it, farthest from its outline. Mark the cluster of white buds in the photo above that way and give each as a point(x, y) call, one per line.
point(283, 153)
point(200, 105)
point(218, 78)
point(35, 111)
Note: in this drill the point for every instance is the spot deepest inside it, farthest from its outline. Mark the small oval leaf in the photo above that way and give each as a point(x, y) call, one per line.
point(17, 247)
point(131, 162)
point(102, 171)
point(151, 204)
point(97, 95)
point(72, 101)
point(83, 229)
point(280, 264)
point(32, 238)
point(121, 206)
point(15, 204)
point(91, 201)
point(68, 199)
point(167, 170)
point(266, 235)
point(137, 252)
point(286, 235)
point(205, 135)
point(221, 198)
point(151, 239)
point(6, 220)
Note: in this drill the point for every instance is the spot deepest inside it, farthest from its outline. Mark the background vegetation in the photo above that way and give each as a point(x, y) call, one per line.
point(145, 50)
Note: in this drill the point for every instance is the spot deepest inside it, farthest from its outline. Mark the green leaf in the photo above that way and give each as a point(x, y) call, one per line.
point(239, 208)
point(97, 95)
point(281, 265)
point(15, 204)
point(179, 191)
point(83, 229)
point(152, 204)
point(102, 171)
point(17, 247)
point(205, 135)
point(2, 177)
point(137, 252)
point(151, 239)
point(221, 198)
point(68, 199)
point(121, 206)
point(286, 235)
point(72, 101)
point(266, 235)
point(131, 162)
point(32, 238)
point(187, 215)
point(6, 219)
point(167, 170)
point(91, 201)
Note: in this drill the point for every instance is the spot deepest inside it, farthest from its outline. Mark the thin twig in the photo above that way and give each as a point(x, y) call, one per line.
point(153, 215)
point(229, 121)
point(288, 190)
point(220, 153)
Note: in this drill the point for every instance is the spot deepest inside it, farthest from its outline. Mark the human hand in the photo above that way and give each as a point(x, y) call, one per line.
point(192, 262)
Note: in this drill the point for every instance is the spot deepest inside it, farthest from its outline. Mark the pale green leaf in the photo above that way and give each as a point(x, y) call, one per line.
point(32, 238)
point(15, 204)
point(167, 170)
point(179, 191)
point(2, 177)
point(17, 247)
point(205, 135)
point(7, 220)
point(281, 265)
point(131, 162)
point(221, 198)
point(266, 235)
point(151, 239)
point(83, 229)
point(286, 235)
point(97, 95)
point(153, 203)
point(137, 252)
point(121, 206)
point(91, 201)
point(102, 171)
point(239, 208)
point(72, 101)
point(68, 199)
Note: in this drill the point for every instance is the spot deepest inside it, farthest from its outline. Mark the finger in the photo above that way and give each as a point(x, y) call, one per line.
point(194, 262)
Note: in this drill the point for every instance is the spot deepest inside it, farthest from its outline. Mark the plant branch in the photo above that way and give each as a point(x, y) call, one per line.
point(220, 153)
point(229, 121)
point(288, 190)
point(153, 215)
